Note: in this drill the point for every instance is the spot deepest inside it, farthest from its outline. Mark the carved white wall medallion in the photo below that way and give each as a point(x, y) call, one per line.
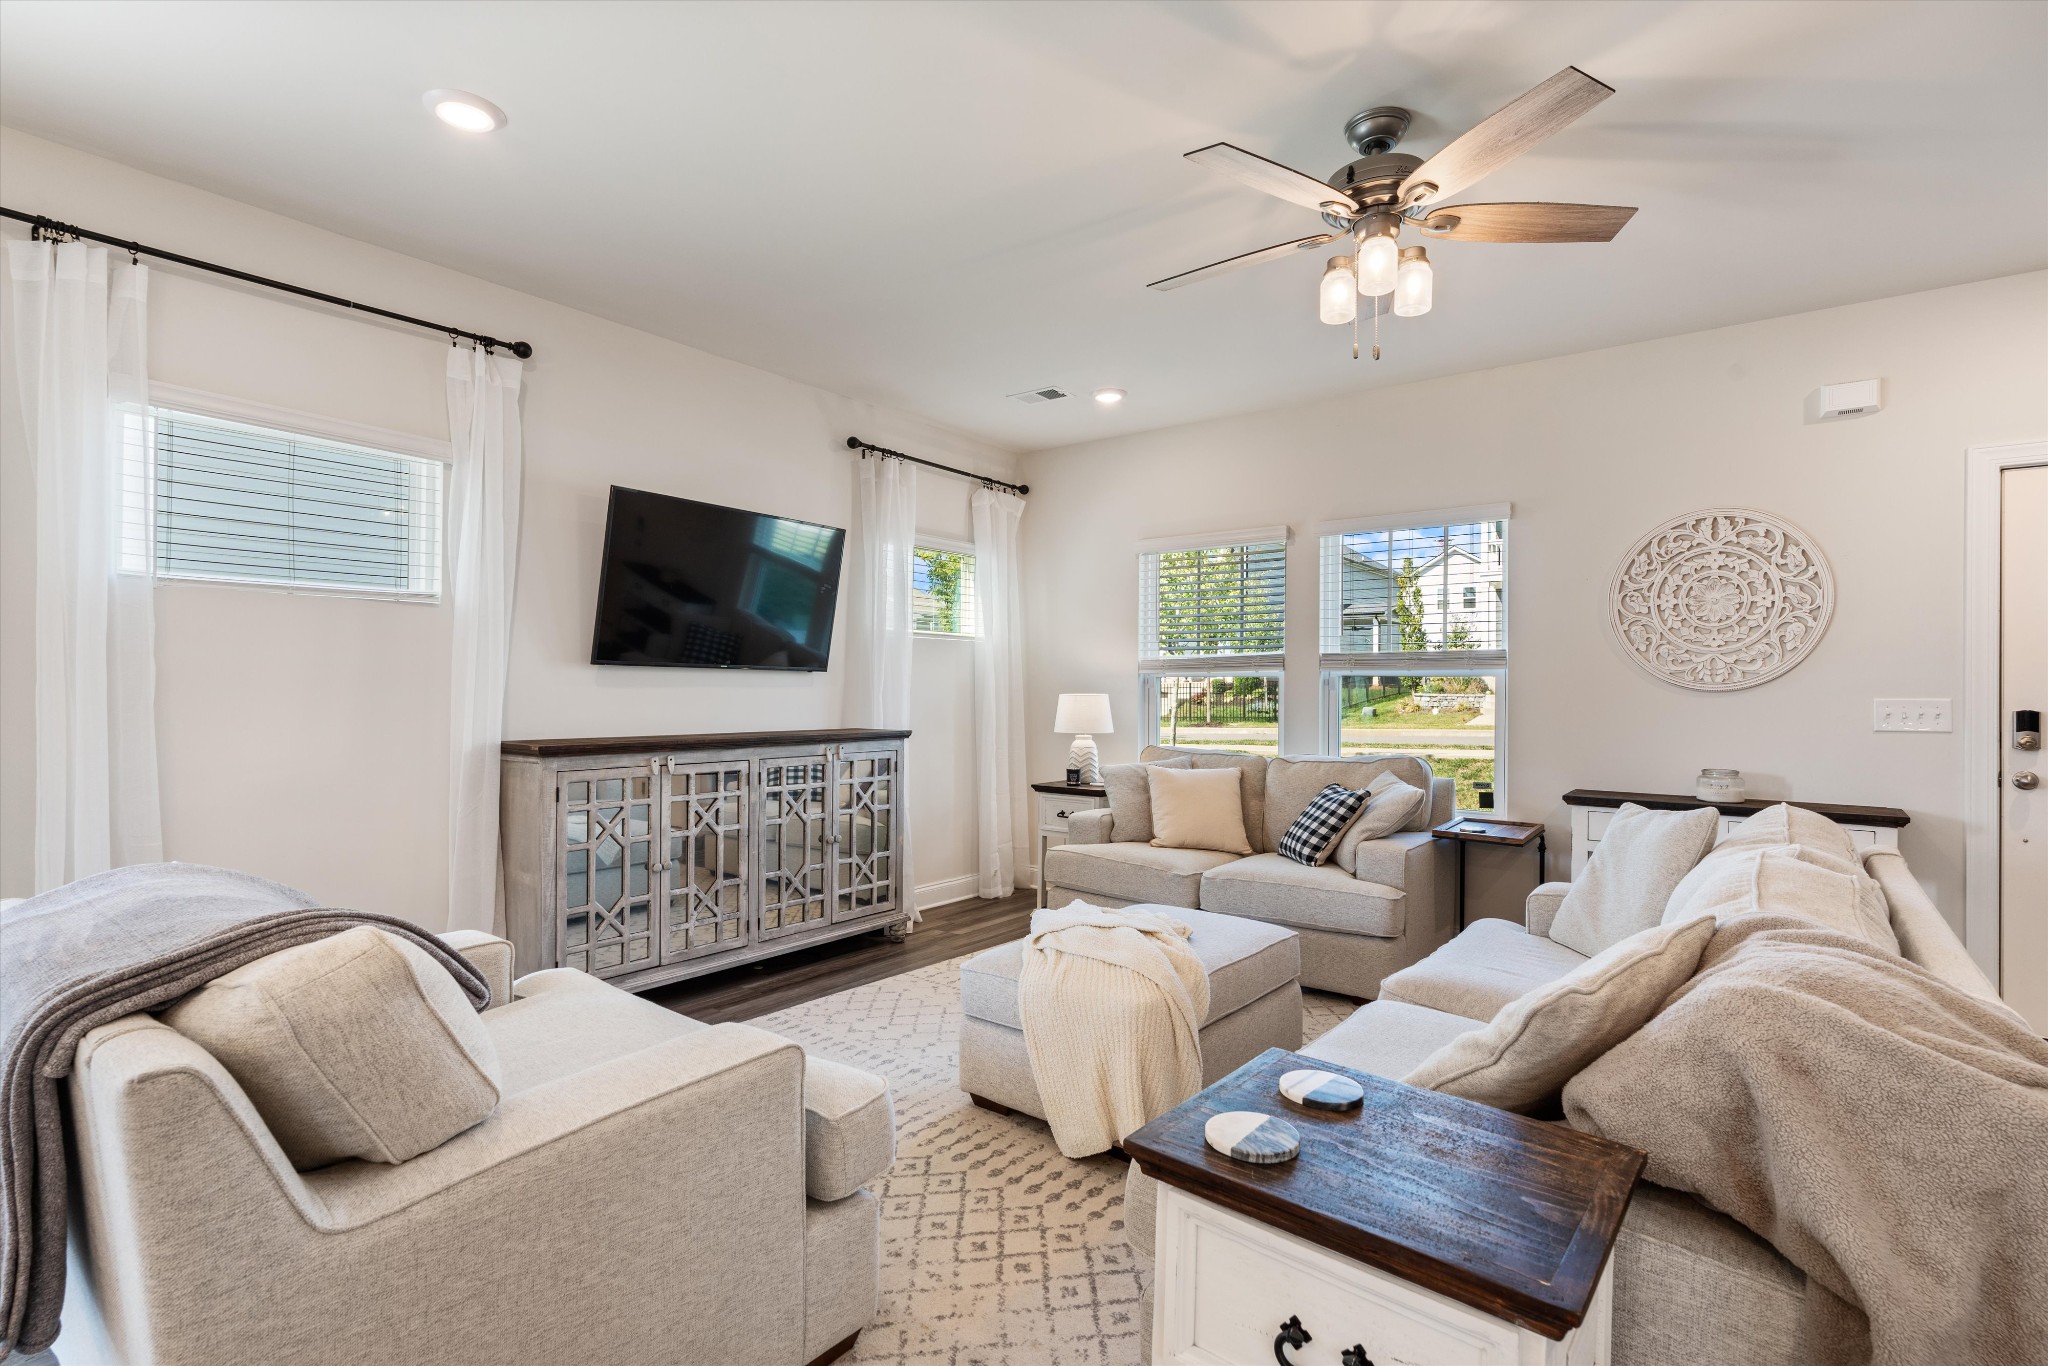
point(1722, 599)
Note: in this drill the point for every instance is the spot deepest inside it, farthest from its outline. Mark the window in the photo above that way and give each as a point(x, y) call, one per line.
point(1403, 667)
point(942, 591)
point(1212, 638)
point(1228, 711)
point(234, 502)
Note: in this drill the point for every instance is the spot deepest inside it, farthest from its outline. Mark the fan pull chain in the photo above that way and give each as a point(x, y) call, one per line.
point(1354, 334)
point(1375, 327)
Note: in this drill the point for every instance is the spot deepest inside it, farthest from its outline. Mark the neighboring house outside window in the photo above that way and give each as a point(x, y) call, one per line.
point(1404, 669)
point(942, 600)
point(1212, 639)
point(261, 503)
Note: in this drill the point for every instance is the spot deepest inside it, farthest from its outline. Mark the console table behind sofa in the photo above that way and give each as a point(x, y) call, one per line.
point(651, 858)
point(1868, 826)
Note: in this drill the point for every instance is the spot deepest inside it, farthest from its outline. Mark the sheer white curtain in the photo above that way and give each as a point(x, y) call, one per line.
point(998, 688)
point(878, 645)
point(483, 427)
point(79, 364)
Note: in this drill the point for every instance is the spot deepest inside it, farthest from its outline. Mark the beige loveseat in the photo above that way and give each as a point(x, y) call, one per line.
point(1690, 1285)
point(648, 1189)
point(1357, 924)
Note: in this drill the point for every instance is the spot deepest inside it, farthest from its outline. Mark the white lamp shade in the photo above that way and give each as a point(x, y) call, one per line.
point(1083, 713)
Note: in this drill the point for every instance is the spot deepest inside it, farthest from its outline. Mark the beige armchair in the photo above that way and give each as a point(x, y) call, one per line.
point(648, 1189)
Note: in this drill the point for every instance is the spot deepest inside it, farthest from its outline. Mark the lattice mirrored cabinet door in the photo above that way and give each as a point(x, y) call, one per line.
point(705, 869)
point(606, 870)
point(867, 796)
point(796, 831)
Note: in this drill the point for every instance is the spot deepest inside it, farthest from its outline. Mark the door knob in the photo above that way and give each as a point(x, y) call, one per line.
point(2026, 782)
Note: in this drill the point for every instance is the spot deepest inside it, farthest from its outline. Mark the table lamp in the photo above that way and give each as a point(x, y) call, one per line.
point(1083, 715)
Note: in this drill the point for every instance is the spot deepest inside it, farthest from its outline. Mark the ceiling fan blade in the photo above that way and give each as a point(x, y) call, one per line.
point(1495, 141)
point(1250, 258)
point(1525, 222)
point(1270, 176)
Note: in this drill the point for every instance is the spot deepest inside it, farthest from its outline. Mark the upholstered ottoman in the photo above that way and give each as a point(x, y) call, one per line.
point(1254, 1004)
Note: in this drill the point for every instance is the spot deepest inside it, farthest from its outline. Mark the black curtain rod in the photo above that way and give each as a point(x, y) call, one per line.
point(50, 225)
point(854, 443)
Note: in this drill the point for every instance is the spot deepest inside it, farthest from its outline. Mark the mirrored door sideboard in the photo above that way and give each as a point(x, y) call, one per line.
point(649, 859)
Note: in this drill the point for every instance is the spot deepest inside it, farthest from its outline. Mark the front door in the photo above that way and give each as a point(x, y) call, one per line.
point(2022, 696)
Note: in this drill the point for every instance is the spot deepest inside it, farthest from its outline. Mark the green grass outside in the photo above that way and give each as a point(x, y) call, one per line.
point(1410, 720)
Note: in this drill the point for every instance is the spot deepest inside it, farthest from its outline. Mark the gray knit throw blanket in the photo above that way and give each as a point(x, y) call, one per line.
point(101, 948)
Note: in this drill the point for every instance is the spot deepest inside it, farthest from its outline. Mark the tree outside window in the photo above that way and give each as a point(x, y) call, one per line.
point(942, 591)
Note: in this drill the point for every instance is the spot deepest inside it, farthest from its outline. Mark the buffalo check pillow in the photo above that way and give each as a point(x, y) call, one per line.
point(1313, 836)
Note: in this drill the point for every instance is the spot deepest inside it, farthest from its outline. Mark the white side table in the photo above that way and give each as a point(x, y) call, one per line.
point(1056, 804)
point(1419, 1228)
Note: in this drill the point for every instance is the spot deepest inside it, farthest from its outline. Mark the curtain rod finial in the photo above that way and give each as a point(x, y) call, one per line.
point(854, 443)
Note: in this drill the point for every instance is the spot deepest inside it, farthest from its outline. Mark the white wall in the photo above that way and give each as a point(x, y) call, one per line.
point(304, 737)
point(1593, 450)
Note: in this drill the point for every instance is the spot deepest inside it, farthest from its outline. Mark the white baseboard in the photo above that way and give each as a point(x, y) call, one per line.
point(952, 889)
point(946, 892)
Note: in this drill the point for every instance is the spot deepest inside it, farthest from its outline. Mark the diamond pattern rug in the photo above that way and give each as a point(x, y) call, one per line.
point(996, 1250)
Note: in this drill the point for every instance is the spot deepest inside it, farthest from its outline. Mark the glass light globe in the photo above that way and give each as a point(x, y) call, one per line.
point(1339, 294)
point(1378, 258)
point(1417, 286)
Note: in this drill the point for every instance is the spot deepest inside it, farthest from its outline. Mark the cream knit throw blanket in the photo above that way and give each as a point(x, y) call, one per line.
point(1112, 1003)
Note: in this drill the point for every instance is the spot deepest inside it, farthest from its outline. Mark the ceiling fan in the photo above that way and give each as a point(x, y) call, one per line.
point(1373, 198)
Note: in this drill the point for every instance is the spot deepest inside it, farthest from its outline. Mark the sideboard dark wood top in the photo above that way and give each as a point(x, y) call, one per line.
point(633, 744)
point(1663, 801)
point(1507, 1214)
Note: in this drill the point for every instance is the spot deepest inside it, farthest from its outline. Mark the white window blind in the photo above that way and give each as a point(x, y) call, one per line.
point(1409, 596)
point(1215, 605)
point(942, 600)
point(240, 503)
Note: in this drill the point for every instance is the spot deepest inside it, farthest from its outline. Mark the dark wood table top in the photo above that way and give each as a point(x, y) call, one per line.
point(1072, 789)
point(1487, 830)
point(1890, 816)
point(1509, 1215)
point(628, 744)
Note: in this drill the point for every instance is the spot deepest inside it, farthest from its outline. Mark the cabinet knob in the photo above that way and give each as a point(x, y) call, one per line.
point(1291, 1334)
point(1356, 1355)
point(1061, 814)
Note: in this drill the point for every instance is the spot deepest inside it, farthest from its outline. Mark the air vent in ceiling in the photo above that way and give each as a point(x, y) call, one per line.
point(1045, 395)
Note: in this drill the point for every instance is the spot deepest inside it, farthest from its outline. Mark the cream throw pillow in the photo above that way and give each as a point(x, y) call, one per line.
point(1130, 798)
point(357, 1045)
point(1197, 808)
point(1789, 879)
point(1625, 888)
point(1390, 805)
point(1538, 1042)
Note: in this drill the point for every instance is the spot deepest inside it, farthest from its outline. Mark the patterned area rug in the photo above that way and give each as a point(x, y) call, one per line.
point(996, 1250)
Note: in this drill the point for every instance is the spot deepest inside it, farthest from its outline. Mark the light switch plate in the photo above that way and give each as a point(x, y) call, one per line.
point(1910, 713)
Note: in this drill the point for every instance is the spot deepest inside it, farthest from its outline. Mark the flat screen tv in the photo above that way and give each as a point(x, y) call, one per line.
point(697, 586)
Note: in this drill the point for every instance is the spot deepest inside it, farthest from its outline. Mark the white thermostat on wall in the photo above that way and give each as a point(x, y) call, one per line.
point(1858, 398)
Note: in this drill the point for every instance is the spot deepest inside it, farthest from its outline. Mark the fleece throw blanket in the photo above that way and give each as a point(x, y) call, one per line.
point(1885, 1131)
point(90, 952)
point(1112, 1003)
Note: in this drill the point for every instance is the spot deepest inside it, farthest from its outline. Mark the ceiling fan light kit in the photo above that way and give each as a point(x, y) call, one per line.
point(1371, 199)
point(1416, 289)
point(1339, 302)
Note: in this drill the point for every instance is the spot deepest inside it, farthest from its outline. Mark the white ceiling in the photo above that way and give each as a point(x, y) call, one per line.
point(935, 205)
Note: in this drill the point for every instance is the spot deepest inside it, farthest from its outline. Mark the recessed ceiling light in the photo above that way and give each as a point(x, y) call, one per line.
point(460, 109)
point(1109, 396)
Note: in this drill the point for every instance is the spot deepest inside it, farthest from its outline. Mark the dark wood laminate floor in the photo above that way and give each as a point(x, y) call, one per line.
point(756, 989)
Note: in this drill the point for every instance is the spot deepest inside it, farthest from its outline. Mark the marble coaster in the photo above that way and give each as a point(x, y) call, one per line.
point(1321, 1090)
point(1252, 1137)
